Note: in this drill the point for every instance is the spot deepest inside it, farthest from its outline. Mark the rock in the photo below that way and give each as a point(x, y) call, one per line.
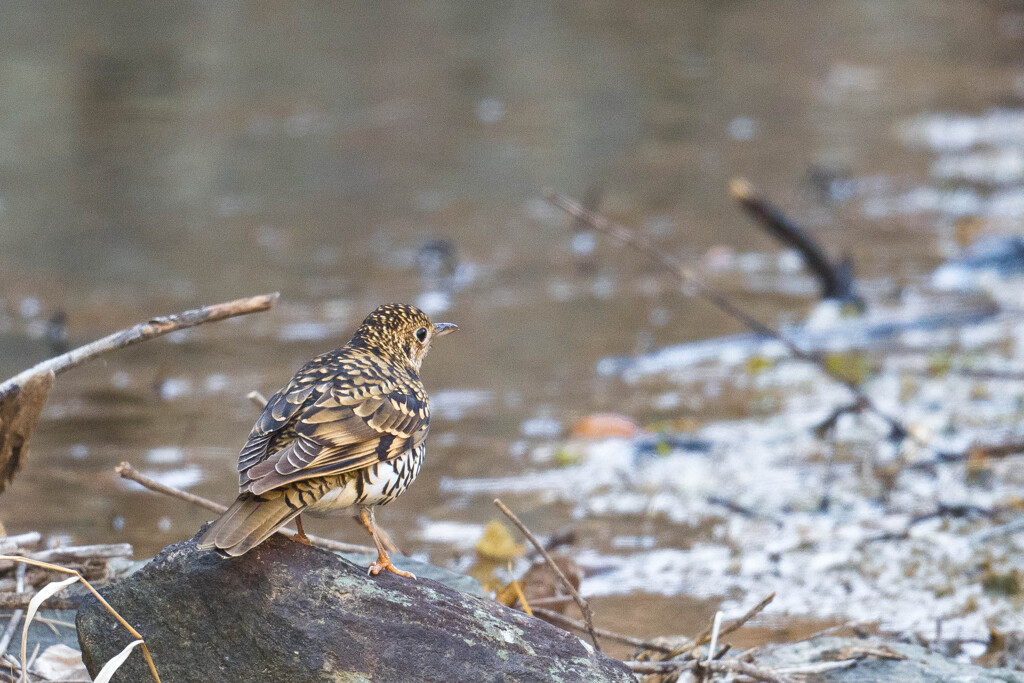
point(919, 666)
point(289, 612)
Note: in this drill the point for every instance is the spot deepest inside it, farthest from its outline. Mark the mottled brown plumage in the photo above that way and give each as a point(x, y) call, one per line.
point(346, 433)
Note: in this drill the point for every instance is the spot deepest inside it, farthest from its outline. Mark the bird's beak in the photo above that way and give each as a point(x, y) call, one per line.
point(441, 329)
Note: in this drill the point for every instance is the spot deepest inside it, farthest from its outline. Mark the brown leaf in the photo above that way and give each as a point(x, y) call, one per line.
point(19, 415)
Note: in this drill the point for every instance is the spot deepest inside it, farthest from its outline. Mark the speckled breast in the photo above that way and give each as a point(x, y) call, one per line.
point(378, 484)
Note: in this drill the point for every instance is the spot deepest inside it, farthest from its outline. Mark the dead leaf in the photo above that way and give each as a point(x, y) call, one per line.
point(61, 663)
point(19, 415)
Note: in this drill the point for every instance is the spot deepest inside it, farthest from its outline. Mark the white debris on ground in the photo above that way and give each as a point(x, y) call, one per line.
point(760, 490)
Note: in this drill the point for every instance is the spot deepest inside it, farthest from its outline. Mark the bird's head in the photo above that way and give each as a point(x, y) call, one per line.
point(400, 333)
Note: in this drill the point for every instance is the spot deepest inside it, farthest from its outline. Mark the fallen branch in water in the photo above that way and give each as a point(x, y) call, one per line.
point(584, 607)
point(836, 279)
point(23, 396)
point(126, 471)
point(644, 245)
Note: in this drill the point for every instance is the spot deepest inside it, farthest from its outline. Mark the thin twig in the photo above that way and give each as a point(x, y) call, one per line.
point(142, 332)
point(569, 622)
point(257, 399)
point(644, 245)
point(128, 472)
point(584, 607)
point(113, 612)
point(733, 625)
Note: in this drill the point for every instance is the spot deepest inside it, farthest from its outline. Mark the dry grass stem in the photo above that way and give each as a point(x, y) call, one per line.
point(584, 607)
point(646, 246)
point(126, 471)
point(102, 601)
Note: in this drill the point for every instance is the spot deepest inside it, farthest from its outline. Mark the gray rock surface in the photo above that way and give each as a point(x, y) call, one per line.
point(920, 665)
point(287, 612)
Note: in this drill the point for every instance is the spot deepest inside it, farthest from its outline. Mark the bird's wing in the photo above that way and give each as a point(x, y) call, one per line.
point(281, 409)
point(340, 432)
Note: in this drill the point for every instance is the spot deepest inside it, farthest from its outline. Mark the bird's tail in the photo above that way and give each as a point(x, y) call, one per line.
point(249, 521)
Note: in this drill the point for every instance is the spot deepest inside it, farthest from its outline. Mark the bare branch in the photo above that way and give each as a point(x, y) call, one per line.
point(142, 332)
point(643, 244)
point(23, 396)
point(584, 607)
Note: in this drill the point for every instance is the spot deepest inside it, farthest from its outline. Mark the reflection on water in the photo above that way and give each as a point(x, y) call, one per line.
point(349, 154)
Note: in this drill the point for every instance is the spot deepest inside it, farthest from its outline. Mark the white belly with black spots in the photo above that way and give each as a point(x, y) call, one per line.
point(378, 484)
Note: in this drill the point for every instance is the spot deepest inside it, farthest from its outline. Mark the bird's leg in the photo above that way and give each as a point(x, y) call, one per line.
point(383, 562)
point(301, 537)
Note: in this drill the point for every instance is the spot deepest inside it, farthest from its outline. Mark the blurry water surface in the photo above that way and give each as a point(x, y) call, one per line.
point(158, 157)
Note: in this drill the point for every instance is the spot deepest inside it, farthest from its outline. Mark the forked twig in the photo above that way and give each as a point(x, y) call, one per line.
point(644, 245)
point(102, 601)
point(126, 471)
point(733, 625)
point(584, 607)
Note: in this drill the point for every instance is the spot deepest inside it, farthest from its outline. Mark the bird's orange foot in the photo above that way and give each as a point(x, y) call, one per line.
point(302, 538)
point(383, 563)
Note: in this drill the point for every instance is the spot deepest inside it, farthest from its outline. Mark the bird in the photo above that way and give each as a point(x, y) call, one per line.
point(346, 434)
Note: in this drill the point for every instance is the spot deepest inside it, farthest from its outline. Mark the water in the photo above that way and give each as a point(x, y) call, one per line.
point(156, 158)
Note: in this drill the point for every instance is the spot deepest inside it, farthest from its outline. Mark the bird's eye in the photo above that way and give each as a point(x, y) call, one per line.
point(421, 334)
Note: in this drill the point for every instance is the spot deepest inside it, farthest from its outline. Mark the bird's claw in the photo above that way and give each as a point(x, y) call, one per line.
point(386, 565)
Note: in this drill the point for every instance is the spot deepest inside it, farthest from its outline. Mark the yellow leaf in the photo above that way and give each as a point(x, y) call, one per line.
point(497, 542)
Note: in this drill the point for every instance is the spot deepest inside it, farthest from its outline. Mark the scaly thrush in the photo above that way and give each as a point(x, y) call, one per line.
point(346, 433)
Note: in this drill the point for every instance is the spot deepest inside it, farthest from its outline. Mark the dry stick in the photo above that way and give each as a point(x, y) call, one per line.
point(120, 619)
point(12, 625)
point(568, 622)
point(142, 332)
point(257, 399)
point(733, 625)
point(725, 666)
point(19, 601)
point(584, 607)
point(836, 278)
point(128, 472)
point(644, 245)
